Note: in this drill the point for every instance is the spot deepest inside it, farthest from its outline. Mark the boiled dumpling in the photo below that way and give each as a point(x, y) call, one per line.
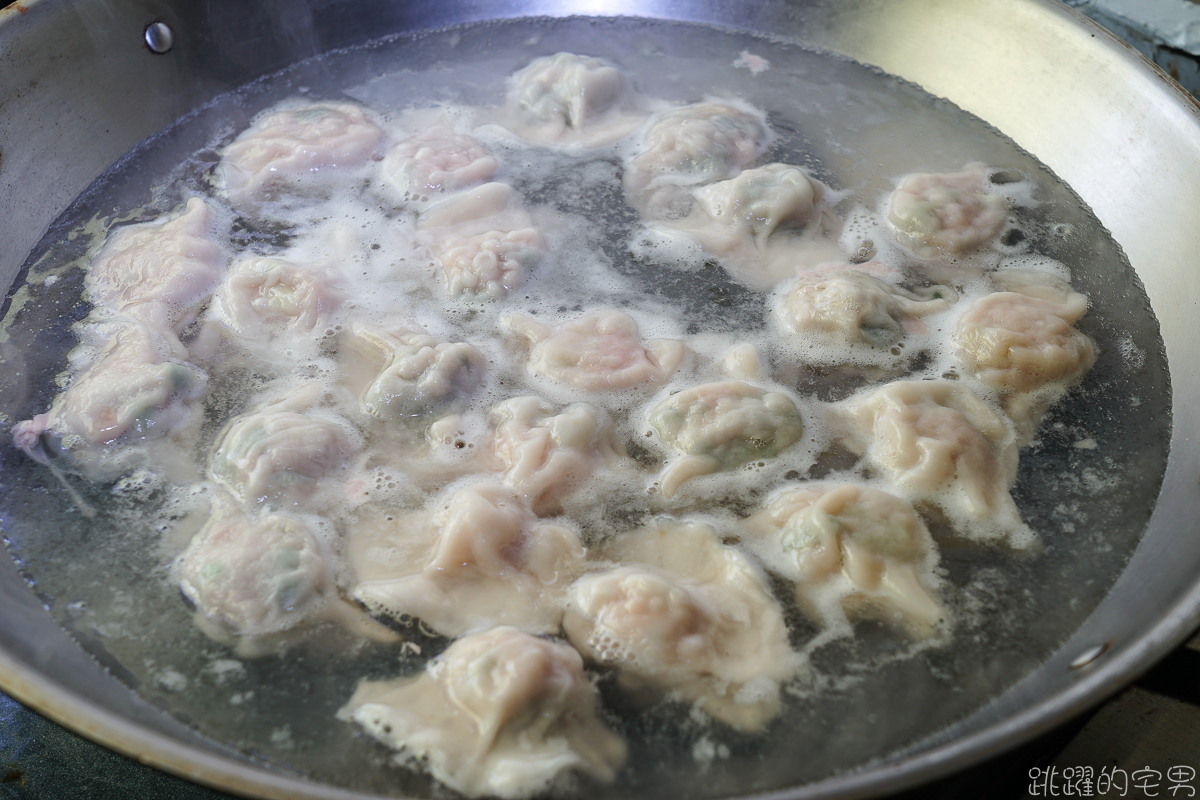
point(546, 452)
point(846, 315)
point(499, 713)
point(252, 577)
point(1026, 349)
point(597, 351)
point(419, 375)
point(294, 148)
point(482, 560)
point(435, 161)
point(484, 241)
point(761, 226)
point(262, 297)
point(720, 426)
point(571, 99)
point(160, 273)
point(491, 264)
point(279, 452)
point(853, 546)
point(138, 387)
point(943, 214)
point(687, 615)
point(760, 201)
point(691, 146)
point(939, 443)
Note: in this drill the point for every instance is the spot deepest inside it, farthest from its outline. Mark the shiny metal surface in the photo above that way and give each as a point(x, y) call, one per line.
point(1089, 107)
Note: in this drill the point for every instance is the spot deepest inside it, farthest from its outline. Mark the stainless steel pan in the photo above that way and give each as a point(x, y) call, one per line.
point(80, 84)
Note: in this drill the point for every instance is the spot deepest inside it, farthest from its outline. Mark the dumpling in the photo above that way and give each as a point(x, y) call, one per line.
point(419, 375)
point(253, 577)
point(288, 149)
point(546, 453)
point(688, 147)
point(943, 214)
point(1025, 348)
point(475, 210)
point(499, 713)
point(279, 452)
point(489, 265)
point(484, 560)
point(597, 351)
point(282, 149)
point(720, 426)
point(689, 616)
point(762, 226)
point(853, 546)
point(939, 443)
point(757, 202)
point(139, 387)
point(846, 315)
point(159, 273)
point(572, 99)
point(435, 161)
point(264, 296)
point(484, 241)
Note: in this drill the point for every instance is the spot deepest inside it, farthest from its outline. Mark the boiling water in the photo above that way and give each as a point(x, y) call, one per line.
point(864, 697)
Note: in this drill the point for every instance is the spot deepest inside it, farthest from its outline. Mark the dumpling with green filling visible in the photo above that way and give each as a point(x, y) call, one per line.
point(721, 426)
point(848, 315)
point(852, 546)
point(257, 576)
point(418, 375)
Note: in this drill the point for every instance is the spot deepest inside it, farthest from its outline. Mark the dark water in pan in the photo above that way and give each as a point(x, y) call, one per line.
point(105, 579)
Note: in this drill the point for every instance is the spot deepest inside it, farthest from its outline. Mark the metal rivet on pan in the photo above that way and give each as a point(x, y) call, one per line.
point(1088, 656)
point(159, 37)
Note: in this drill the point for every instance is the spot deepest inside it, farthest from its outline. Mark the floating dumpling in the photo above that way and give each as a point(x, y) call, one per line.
point(484, 241)
point(482, 560)
point(290, 148)
point(138, 387)
point(721, 426)
point(761, 226)
point(160, 273)
point(1025, 348)
point(419, 375)
point(571, 99)
point(691, 146)
point(435, 161)
point(279, 452)
point(760, 201)
point(852, 546)
point(546, 453)
point(689, 616)
point(252, 577)
point(489, 265)
point(598, 351)
point(474, 210)
point(264, 296)
point(939, 443)
point(943, 214)
point(499, 713)
point(845, 315)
